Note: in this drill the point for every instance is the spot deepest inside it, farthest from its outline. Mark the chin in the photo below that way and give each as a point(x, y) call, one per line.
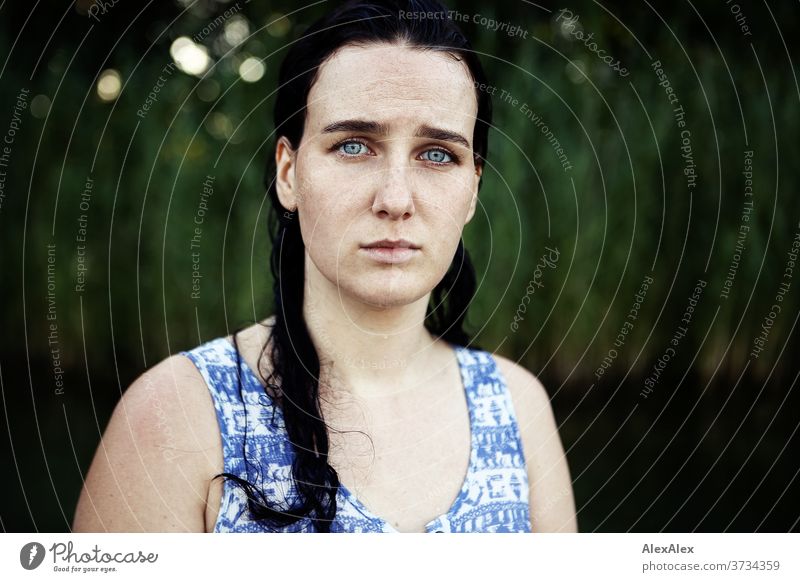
point(385, 290)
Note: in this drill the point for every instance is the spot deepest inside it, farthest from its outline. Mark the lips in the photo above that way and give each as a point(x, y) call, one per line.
point(391, 252)
point(390, 244)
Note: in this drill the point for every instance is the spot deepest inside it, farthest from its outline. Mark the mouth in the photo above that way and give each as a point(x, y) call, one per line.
point(391, 251)
point(391, 244)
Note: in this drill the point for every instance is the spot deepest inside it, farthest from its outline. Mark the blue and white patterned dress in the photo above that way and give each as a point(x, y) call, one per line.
point(494, 495)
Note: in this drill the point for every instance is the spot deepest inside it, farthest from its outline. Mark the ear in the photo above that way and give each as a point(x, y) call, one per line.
point(285, 183)
point(476, 180)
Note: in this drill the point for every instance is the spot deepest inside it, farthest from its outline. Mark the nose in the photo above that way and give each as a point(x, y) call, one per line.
point(394, 197)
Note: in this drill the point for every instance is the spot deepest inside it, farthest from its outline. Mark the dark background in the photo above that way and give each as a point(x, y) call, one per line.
point(712, 448)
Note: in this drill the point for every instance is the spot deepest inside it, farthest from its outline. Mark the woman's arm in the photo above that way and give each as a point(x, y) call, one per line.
point(151, 470)
point(552, 505)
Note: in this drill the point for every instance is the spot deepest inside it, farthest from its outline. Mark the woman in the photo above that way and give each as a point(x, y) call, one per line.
point(360, 405)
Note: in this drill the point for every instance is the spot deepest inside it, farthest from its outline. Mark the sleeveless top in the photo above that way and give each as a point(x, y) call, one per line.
point(494, 494)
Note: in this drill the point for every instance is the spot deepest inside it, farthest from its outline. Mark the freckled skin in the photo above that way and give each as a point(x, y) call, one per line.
point(390, 188)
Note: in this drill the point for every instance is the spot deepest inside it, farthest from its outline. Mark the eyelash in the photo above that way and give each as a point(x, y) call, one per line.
point(454, 159)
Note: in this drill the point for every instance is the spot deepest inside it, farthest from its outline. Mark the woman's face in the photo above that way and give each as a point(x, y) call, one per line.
point(386, 154)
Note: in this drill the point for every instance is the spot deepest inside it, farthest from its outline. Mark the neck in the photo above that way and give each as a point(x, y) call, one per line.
point(364, 349)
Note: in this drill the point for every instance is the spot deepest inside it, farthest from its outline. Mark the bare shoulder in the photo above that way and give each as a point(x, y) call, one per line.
point(152, 468)
point(552, 504)
point(527, 392)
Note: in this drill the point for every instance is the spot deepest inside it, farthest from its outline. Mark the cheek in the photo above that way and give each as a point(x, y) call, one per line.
point(445, 202)
point(328, 224)
point(322, 233)
point(320, 202)
point(450, 194)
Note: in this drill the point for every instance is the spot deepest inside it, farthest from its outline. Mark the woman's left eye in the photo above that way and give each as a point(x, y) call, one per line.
point(438, 156)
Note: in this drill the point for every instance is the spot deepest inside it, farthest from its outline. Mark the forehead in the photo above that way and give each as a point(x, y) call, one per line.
point(398, 85)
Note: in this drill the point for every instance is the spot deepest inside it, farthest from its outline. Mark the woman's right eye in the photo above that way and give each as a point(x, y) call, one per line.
point(352, 148)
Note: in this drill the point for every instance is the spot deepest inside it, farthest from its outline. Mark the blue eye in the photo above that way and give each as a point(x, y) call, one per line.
point(352, 148)
point(439, 156)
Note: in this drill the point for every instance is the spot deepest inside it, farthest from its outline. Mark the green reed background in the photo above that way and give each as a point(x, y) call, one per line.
point(705, 451)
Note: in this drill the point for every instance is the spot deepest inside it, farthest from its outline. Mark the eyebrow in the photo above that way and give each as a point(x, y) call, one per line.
point(376, 128)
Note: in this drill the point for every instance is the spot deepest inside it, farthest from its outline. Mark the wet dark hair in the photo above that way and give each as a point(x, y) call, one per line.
point(293, 383)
